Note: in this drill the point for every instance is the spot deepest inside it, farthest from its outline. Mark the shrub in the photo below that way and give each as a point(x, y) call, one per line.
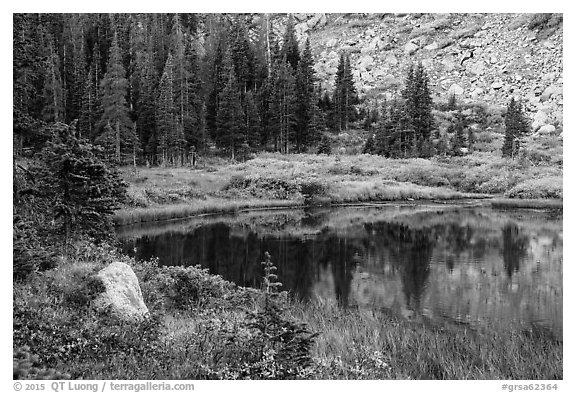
point(27, 366)
point(550, 187)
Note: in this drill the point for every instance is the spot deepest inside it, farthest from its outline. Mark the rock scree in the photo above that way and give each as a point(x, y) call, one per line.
point(122, 293)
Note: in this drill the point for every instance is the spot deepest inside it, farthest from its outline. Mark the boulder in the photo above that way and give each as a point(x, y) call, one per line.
point(477, 68)
point(314, 21)
point(432, 46)
point(365, 63)
point(331, 42)
point(496, 85)
point(540, 119)
point(551, 91)
point(122, 293)
point(410, 48)
point(546, 129)
point(391, 60)
point(455, 89)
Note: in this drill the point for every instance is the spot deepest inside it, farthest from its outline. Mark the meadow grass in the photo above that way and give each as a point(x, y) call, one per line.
point(276, 180)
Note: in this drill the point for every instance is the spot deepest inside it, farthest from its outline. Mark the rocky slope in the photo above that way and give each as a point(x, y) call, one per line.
point(485, 58)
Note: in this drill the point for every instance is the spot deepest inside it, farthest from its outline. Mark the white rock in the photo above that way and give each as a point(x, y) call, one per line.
point(477, 68)
point(122, 293)
point(332, 42)
point(365, 63)
point(551, 91)
point(455, 89)
point(546, 129)
point(391, 60)
point(410, 48)
point(540, 119)
point(432, 46)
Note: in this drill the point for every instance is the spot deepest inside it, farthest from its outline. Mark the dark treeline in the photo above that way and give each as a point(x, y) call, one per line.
point(156, 87)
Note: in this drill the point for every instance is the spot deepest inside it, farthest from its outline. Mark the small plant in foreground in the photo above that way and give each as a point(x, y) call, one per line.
point(283, 345)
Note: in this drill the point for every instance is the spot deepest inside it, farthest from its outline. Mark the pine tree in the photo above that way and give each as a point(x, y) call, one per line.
point(283, 105)
point(83, 191)
point(516, 127)
point(230, 120)
point(217, 80)
point(170, 133)
point(418, 103)
point(242, 55)
point(305, 100)
point(53, 110)
point(115, 116)
point(344, 97)
point(194, 109)
point(458, 141)
point(290, 51)
point(252, 121)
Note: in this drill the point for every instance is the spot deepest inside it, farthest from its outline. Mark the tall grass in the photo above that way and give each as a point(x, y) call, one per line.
point(376, 345)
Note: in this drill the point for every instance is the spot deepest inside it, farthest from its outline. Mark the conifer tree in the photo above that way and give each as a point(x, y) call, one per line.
point(419, 108)
point(53, 110)
point(458, 140)
point(170, 133)
point(516, 127)
point(230, 120)
point(344, 97)
point(290, 51)
point(305, 100)
point(283, 105)
point(252, 121)
point(115, 116)
point(194, 109)
point(242, 55)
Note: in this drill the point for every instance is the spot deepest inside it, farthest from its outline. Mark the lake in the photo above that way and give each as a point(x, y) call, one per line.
point(453, 264)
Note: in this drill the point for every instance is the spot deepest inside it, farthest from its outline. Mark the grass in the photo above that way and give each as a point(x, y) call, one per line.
point(275, 180)
point(201, 327)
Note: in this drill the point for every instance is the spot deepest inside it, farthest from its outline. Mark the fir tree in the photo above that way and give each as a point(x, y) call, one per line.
point(283, 105)
point(344, 97)
point(419, 108)
point(115, 117)
point(170, 134)
point(290, 51)
point(516, 127)
point(83, 191)
point(458, 140)
point(305, 100)
point(230, 120)
point(53, 110)
point(242, 55)
point(252, 121)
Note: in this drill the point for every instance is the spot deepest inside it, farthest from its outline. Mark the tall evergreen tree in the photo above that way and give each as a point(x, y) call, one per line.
point(170, 132)
point(290, 51)
point(517, 126)
point(305, 100)
point(242, 55)
point(418, 103)
point(53, 110)
point(283, 105)
point(252, 120)
point(230, 120)
point(115, 123)
point(344, 97)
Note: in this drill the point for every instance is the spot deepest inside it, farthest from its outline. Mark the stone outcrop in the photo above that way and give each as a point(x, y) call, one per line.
point(486, 58)
point(122, 293)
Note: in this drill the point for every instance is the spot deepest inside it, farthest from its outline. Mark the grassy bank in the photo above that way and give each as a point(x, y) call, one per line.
point(202, 327)
point(275, 180)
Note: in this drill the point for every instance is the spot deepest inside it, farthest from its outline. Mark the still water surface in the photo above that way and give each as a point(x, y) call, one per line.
point(449, 264)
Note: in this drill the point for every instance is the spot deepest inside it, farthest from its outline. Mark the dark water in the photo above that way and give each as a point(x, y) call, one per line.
point(449, 264)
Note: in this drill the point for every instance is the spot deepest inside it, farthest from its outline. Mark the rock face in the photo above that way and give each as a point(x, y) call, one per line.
point(122, 291)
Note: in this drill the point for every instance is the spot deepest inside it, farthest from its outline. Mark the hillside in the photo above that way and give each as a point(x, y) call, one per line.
point(512, 55)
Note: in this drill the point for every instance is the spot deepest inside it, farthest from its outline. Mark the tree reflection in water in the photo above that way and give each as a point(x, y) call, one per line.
point(513, 248)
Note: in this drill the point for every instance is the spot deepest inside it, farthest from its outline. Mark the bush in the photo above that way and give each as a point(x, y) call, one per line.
point(544, 188)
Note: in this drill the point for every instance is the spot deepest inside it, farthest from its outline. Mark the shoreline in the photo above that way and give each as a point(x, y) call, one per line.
point(167, 213)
